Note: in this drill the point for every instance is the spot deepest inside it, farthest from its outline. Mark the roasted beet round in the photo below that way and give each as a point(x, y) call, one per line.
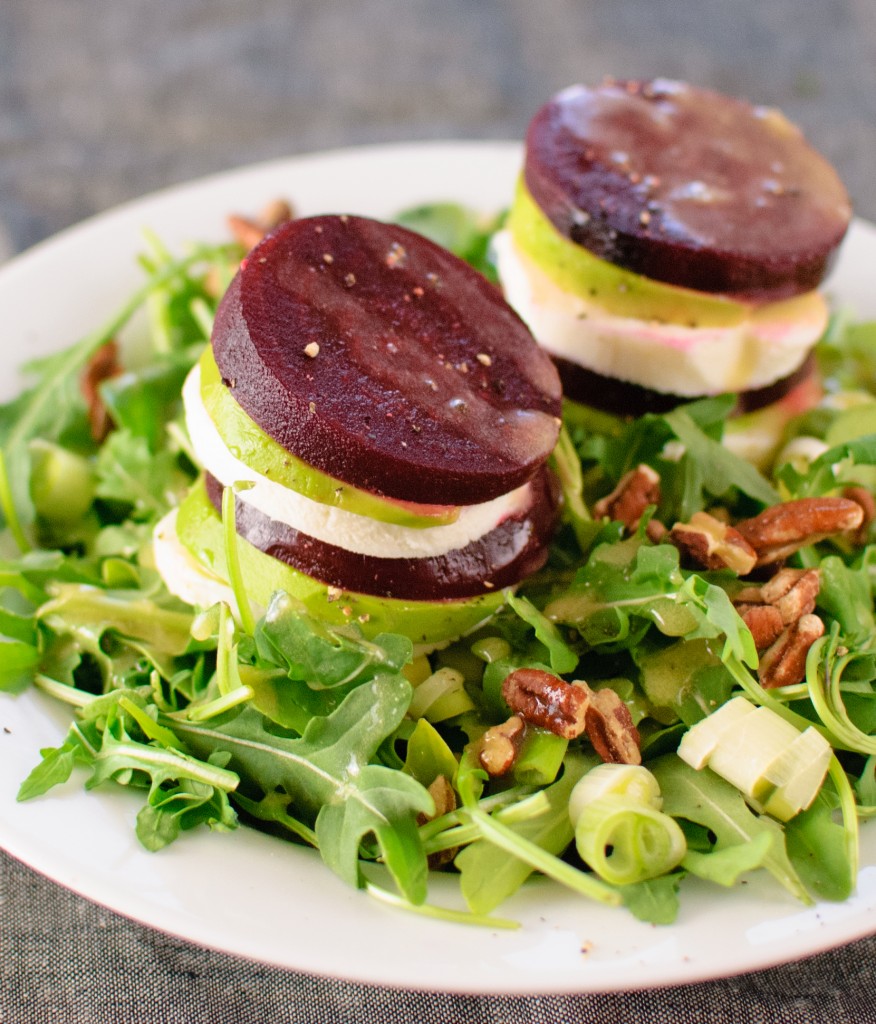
point(385, 361)
point(687, 186)
point(514, 549)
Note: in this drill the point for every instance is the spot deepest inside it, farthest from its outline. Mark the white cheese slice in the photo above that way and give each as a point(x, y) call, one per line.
point(359, 534)
point(671, 358)
point(184, 576)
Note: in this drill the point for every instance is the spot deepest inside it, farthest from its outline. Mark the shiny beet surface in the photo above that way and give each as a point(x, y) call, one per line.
point(385, 361)
point(688, 187)
point(515, 549)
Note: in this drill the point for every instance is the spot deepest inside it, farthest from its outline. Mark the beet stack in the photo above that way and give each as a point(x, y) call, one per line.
point(667, 242)
point(385, 420)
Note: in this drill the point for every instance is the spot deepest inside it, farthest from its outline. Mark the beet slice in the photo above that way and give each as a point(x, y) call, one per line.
point(624, 398)
point(516, 548)
point(687, 186)
point(383, 360)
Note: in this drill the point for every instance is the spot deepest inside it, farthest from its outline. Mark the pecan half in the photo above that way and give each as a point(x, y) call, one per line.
point(861, 496)
point(610, 728)
point(764, 621)
point(781, 530)
point(784, 662)
point(792, 592)
point(500, 746)
point(442, 793)
point(250, 231)
point(635, 491)
point(710, 544)
point(103, 364)
point(547, 701)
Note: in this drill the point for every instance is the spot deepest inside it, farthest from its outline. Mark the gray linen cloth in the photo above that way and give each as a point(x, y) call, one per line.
point(101, 100)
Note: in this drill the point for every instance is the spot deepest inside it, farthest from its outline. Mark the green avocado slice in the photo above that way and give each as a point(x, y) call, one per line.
point(431, 623)
point(614, 289)
point(263, 455)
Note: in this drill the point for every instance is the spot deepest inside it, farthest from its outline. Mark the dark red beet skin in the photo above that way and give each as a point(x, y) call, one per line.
point(383, 360)
point(516, 548)
point(687, 186)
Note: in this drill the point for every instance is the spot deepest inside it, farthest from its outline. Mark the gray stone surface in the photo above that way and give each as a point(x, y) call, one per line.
point(102, 100)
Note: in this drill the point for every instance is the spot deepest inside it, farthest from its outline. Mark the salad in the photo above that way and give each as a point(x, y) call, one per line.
point(347, 737)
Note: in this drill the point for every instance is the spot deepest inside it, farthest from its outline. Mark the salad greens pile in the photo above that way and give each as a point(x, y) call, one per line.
point(367, 752)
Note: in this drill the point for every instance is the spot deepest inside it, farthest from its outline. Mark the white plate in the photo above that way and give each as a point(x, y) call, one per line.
point(255, 896)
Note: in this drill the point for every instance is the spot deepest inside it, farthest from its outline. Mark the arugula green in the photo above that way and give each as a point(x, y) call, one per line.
point(326, 738)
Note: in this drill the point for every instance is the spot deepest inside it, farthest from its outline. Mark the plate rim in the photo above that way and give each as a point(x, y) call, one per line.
point(515, 981)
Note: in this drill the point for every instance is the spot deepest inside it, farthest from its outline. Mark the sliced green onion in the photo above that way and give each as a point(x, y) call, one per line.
point(491, 648)
point(441, 696)
point(506, 839)
point(631, 781)
point(625, 841)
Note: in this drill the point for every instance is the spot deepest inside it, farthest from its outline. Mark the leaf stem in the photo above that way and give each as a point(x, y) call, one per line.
point(9, 511)
point(508, 840)
point(232, 559)
point(63, 691)
point(441, 913)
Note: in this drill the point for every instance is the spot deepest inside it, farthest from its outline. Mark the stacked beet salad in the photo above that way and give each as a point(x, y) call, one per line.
point(666, 243)
point(383, 420)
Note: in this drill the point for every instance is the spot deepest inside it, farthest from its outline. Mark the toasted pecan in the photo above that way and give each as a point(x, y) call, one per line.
point(250, 231)
point(635, 491)
point(611, 730)
point(500, 746)
point(861, 496)
point(782, 529)
point(707, 543)
point(784, 662)
point(546, 700)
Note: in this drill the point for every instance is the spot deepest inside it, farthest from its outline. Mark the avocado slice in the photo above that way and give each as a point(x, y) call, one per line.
point(249, 443)
point(426, 622)
point(614, 289)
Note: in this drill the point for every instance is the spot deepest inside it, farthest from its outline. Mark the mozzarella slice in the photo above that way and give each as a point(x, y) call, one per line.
point(183, 574)
point(359, 534)
point(671, 358)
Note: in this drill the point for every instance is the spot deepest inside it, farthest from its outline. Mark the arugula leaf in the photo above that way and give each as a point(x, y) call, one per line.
point(655, 900)
point(56, 765)
point(844, 593)
point(722, 470)
point(18, 661)
point(53, 408)
point(183, 792)
point(562, 658)
point(817, 846)
point(705, 798)
point(463, 231)
point(131, 613)
point(839, 465)
point(128, 472)
point(142, 402)
point(327, 775)
point(322, 655)
point(725, 866)
point(489, 875)
point(626, 587)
